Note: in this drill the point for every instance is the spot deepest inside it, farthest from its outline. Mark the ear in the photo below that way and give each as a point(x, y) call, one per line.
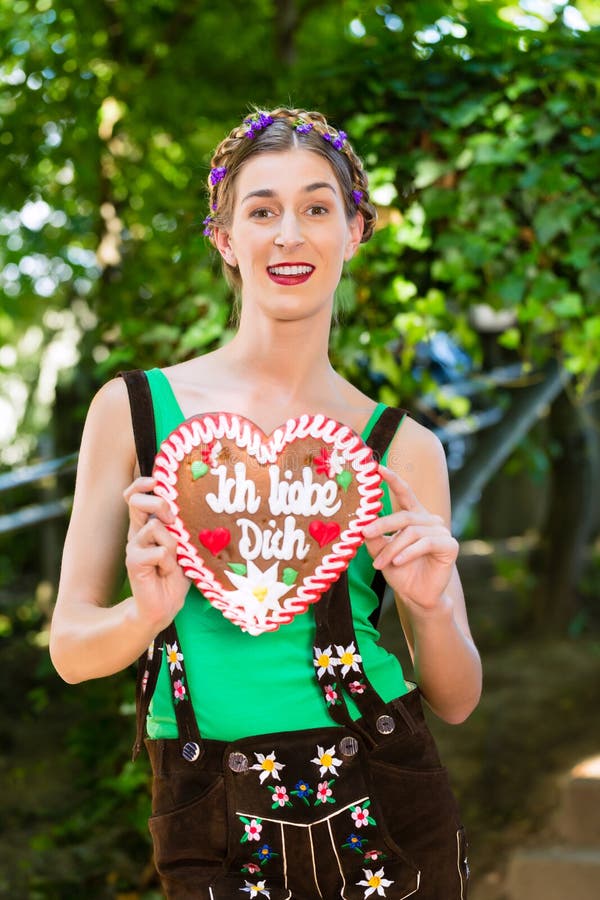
point(356, 227)
point(223, 245)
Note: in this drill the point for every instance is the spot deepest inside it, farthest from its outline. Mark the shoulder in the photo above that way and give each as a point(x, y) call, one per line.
point(417, 455)
point(108, 430)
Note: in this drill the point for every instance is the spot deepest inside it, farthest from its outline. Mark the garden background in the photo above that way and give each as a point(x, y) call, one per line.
point(479, 124)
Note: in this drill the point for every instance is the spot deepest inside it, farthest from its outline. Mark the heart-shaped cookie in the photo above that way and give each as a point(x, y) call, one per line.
point(265, 524)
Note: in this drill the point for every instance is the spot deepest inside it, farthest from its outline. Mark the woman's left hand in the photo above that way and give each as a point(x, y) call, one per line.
point(413, 548)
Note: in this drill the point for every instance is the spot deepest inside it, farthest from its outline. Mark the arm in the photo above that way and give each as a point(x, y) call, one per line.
point(88, 637)
point(416, 552)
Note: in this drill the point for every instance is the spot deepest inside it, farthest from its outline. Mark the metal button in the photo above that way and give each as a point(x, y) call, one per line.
point(238, 762)
point(385, 724)
point(191, 751)
point(348, 746)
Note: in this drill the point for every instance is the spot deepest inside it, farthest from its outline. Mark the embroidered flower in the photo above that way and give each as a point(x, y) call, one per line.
point(324, 661)
point(303, 791)
point(265, 853)
point(251, 868)
point(258, 593)
point(174, 657)
point(280, 796)
point(331, 695)
point(361, 815)
point(252, 829)
point(374, 882)
point(324, 792)
point(355, 842)
point(326, 760)
point(374, 855)
point(267, 765)
point(356, 687)
point(179, 691)
point(349, 658)
point(256, 890)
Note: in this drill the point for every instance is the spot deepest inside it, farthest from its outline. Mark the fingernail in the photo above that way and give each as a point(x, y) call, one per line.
point(370, 530)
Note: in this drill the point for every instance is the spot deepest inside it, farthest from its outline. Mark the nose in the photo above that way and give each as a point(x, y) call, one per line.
point(289, 233)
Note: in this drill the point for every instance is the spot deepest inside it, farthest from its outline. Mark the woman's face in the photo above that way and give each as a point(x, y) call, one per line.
point(289, 235)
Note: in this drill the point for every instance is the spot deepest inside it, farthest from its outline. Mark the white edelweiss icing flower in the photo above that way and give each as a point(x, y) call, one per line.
point(258, 593)
point(267, 765)
point(348, 658)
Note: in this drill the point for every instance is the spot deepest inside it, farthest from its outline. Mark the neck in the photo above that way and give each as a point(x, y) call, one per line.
point(289, 356)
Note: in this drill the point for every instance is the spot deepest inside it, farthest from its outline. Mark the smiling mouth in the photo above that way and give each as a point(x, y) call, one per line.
point(289, 273)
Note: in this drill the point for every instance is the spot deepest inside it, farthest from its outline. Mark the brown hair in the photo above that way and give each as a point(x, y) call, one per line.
point(279, 136)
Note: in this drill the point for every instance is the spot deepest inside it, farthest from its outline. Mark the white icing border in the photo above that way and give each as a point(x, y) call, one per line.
point(212, 427)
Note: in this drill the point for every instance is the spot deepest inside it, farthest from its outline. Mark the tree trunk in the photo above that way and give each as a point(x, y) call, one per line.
point(573, 485)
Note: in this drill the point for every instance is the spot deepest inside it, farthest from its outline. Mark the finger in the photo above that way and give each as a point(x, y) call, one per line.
point(401, 489)
point(397, 521)
point(444, 547)
point(144, 506)
point(150, 558)
point(154, 532)
point(399, 542)
point(141, 485)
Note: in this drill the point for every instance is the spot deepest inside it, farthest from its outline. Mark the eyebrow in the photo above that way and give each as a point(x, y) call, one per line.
point(267, 192)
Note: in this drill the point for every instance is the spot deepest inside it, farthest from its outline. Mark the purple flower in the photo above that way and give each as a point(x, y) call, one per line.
point(217, 174)
point(304, 127)
point(256, 123)
point(358, 195)
point(207, 226)
point(338, 143)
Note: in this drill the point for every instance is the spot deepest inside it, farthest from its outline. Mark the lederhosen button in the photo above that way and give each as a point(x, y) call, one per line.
point(238, 762)
point(348, 746)
point(191, 751)
point(385, 724)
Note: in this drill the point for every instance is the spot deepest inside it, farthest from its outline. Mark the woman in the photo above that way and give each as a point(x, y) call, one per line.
point(289, 205)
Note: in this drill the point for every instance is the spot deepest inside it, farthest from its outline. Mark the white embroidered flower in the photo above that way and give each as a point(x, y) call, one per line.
point(267, 765)
point(326, 760)
point(324, 661)
point(349, 658)
point(258, 593)
point(256, 890)
point(174, 657)
point(374, 882)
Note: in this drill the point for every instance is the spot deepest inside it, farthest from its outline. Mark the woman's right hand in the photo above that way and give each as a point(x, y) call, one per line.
point(158, 584)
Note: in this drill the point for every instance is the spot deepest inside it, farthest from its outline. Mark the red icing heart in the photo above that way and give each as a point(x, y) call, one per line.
point(215, 540)
point(324, 532)
point(294, 501)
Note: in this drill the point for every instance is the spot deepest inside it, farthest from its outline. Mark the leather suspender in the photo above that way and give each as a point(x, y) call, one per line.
point(142, 419)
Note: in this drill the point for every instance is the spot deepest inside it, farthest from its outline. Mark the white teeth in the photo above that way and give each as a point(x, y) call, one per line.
point(290, 270)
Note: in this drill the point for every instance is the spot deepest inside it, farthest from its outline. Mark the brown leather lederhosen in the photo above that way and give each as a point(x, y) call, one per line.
point(363, 808)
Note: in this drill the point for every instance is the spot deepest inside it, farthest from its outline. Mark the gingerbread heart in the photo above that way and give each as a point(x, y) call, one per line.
point(265, 524)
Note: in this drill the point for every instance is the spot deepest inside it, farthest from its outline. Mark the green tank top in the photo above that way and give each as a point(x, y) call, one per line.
point(243, 685)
